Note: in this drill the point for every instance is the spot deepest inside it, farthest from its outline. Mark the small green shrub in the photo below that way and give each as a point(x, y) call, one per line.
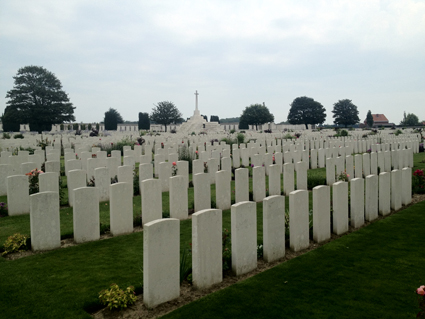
point(260, 251)
point(116, 298)
point(15, 243)
point(418, 182)
point(33, 180)
point(18, 136)
point(241, 138)
point(6, 136)
point(288, 137)
point(185, 265)
point(29, 149)
point(3, 210)
point(104, 228)
point(232, 131)
point(343, 133)
point(398, 132)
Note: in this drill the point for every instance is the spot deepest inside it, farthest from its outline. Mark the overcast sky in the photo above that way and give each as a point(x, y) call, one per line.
point(129, 55)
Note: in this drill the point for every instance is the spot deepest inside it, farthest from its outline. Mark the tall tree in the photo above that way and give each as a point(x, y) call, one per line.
point(345, 113)
point(410, 119)
point(214, 118)
point(10, 120)
point(305, 110)
point(369, 119)
point(243, 125)
point(255, 114)
point(37, 98)
point(165, 113)
point(112, 118)
point(144, 121)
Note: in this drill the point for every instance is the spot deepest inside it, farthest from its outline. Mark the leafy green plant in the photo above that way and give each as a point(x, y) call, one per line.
point(3, 210)
point(116, 298)
point(260, 251)
point(232, 131)
point(6, 135)
point(33, 180)
point(343, 133)
point(104, 228)
point(241, 138)
point(418, 182)
point(19, 135)
point(29, 149)
point(15, 243)
point(398, 132)
point(185, 265)
point(43, 143)
point(343, 176)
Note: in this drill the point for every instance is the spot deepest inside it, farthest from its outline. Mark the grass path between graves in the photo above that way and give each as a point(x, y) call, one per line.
point(371, 273)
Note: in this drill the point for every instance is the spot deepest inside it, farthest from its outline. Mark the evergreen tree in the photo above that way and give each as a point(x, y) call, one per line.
point(369, 119)
point(144, 121)
point(112, 118)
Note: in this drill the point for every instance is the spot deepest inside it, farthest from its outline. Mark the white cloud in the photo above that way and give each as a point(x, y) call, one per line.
point(138, 53)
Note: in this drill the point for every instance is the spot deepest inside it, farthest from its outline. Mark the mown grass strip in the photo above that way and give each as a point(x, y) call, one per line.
point(371, 273)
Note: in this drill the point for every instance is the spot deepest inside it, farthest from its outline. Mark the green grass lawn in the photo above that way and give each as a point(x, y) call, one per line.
point(371, 273)
point(381, 267)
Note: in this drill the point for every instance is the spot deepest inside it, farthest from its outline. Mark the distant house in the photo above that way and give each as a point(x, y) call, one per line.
point(380, 120)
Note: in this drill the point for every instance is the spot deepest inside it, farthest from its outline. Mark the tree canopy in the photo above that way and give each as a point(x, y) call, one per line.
point(214, 118)
point(410, 119)
point(112, 118)
point(255, 114)
point(345, 113)
point(144, 121)
point(369, 119)
point(305, 110)
point(37, 98)
point(165, 113)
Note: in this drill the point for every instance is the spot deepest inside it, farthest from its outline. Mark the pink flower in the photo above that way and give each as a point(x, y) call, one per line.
point(421, 291)
point(174, 163)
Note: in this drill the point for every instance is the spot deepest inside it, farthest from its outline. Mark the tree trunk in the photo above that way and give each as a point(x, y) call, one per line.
point(165, 127)
point(306, 126)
